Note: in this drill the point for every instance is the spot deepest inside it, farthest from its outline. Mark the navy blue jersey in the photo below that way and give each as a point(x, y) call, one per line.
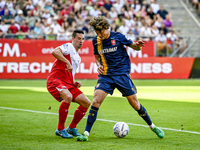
point(113, 54)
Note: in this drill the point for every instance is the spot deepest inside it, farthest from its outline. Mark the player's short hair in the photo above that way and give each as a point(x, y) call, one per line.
point(77, 31)
point(99, 23)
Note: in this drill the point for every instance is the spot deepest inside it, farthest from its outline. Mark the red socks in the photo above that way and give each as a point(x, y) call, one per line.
point(63, 112)
point(78, 115)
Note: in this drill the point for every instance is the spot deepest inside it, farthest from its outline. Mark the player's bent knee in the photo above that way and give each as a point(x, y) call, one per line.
point(67, 97)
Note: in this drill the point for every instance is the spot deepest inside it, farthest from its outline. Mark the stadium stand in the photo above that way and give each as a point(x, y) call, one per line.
point(138, 19)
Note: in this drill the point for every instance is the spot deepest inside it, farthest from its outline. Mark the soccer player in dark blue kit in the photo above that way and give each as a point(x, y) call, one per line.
point(114, 66)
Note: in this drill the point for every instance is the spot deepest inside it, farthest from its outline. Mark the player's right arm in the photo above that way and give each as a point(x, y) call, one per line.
point(100, 67)
point(57, 53)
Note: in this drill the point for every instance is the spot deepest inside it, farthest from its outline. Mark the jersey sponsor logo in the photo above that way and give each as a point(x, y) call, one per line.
point(65, 45)
point(108, 50)
point(113, 42)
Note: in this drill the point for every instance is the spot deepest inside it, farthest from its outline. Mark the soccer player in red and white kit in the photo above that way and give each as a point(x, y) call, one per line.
point(61, 84)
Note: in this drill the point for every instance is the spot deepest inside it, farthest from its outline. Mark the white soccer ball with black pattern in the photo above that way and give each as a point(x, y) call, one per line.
point(121, 129)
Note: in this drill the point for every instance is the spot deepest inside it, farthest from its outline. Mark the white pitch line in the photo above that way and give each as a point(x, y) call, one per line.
point(140, 125)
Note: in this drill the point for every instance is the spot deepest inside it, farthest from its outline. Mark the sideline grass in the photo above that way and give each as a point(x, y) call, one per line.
point(170, 103)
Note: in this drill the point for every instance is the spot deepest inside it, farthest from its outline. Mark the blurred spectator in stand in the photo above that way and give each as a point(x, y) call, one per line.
point(165, 30)
point(118, 6)
point(20, 35)
point(24, 27)
point(110, 20)
point(65, 26)
point(65, 11)
point(79, 21)
point(15, 9)
point(141, 13)
point(71, 18)
point(131, 35)
point(9, 34)
point(35, 2)
point(46, 29)
point(124, 29)
point(138, 21)
point(124, 12)
point(9, 4)
point(104, 11)
point(180, 42)
point(158, 22)
point(154, 32)
point(161, 44)
point(171, 39)
point(135, 30)
point(4, 9)
point(72, 27)
point(2, 4)
point(86, 28)
point(42, 4)
point(3, 29)
point(49, 8)
point(58, 6)
point(146, 4)
point(162, 12)
point(21, 3)
point(108, 5)
point(50, 20)
point(131, 12)
point(19, 17)
point(129, 21)
point(7, 18)
point(13, 27)
point(84, 13)
point(95, 12)
point(30, 20)
point(28, 6)
point(60, 19)
point(113, 27)
point(113, 1)
point(46, 14)
point(137, 6)
point(151, 14)
point(119, 21)
point(89, 7)
point(37, 11)
point(55, 26)
point(168, 22)
point(77, 5)
point(113, 14)
point(37, 31)
point(145, 32)
point(61, 36)
point(155, 6)
point(101, 3)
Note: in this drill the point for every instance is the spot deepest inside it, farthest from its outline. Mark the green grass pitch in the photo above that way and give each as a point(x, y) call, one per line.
point(29, 116)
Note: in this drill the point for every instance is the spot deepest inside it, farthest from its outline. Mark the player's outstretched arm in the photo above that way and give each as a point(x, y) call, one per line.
point(137, 45)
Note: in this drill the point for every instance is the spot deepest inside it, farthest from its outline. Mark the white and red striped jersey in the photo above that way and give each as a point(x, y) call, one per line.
point(59, 68)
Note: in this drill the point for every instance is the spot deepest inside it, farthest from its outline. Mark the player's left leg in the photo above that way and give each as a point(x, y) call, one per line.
point(128, 89)
point(79, 113)
point(133, 101)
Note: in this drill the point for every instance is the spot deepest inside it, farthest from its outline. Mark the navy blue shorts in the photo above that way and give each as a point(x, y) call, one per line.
point(122, 82)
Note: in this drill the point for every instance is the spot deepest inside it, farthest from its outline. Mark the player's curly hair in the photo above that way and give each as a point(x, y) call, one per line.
point(99, 23)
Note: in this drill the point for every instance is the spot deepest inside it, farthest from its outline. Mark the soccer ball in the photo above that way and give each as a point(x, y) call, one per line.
point(121, 129)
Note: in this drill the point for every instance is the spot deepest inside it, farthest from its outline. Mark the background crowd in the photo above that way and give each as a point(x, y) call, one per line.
point(56, 20)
